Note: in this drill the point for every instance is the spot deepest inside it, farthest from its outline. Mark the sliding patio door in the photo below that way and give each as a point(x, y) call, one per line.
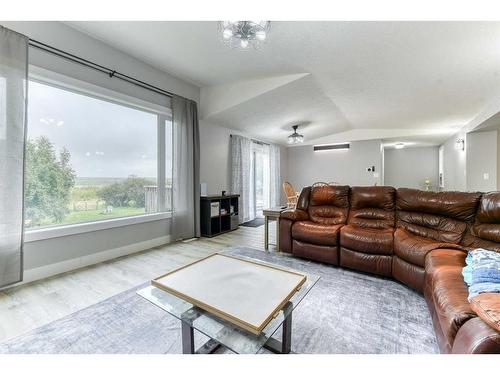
point(255, 176)
point(261, 181)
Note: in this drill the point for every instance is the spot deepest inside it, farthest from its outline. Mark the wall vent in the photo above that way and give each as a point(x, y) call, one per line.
point(338, 146)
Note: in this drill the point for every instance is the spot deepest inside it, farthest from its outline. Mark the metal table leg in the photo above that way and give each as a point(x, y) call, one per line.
point(187, 338)
point(286, 339)
point(278, 234)
point(266, 233)
point(188, 335)
point(188, 342)
point(285, 345)
point(279, 347)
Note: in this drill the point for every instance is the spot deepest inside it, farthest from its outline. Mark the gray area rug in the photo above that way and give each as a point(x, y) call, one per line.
point(346, 312)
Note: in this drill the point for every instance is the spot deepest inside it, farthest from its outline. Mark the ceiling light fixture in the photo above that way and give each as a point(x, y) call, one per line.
point(399, 146)
point(244, 34)
point(295, 137)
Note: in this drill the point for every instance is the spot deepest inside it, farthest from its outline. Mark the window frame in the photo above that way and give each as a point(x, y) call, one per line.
point(163, 113)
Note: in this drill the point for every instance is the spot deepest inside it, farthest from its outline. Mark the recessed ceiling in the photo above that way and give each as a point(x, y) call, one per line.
point(405, 77)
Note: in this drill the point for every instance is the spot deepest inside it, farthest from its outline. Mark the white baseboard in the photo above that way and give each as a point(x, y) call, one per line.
point(87, 260)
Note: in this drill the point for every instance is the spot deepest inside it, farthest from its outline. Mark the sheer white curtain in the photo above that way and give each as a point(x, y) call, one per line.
point(13, 91)
point(242, 176)
point(275, 175)
point(185, 169)
point(266, 174)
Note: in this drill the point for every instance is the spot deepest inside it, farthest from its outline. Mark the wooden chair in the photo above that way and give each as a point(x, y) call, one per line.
point(291, 195)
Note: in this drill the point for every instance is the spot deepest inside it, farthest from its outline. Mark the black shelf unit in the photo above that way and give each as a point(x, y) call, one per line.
point(213, 221)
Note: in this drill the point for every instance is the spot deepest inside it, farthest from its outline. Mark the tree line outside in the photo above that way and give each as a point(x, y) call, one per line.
point(52, 197)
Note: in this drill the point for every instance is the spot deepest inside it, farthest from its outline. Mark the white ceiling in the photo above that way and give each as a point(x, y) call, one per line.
point(349, 79)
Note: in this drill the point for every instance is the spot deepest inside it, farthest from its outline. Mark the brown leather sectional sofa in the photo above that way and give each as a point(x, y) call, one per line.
point(420, 238)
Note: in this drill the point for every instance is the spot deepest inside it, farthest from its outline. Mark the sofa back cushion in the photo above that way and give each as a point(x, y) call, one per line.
point(441, 216)
point(329, 204)
point(485, 231)
point(303, 200)
point(487, 225)
point(372, 206)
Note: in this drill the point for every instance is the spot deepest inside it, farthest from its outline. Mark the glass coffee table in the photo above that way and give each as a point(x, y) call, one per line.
point(224, 333)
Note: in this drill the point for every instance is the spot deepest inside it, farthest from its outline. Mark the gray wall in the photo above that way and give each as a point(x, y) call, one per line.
point(464, 170)
point(410, 167)
point(343, 166)
point(45, 252)
point(498, 159)
point(481, 159)
point(215, 157)
point(68, 39)
point(454, 165)
point(214, 163)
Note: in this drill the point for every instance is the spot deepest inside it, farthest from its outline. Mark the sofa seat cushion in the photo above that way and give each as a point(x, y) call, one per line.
point(318, 253)
point(409, 274)
point(447, 290)
point(316, 233)
point(367, 240)
point(487, 307)
point(371, 263)
point(413, 248)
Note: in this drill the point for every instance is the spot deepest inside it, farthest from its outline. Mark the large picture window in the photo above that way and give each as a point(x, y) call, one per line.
point(90, 159)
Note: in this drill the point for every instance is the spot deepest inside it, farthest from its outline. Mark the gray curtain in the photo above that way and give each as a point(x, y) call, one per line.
point(13, 91)
point(186, 170)
point(242, 178)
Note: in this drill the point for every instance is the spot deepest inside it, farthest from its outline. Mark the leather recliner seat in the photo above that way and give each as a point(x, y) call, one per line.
point(484, 232)
point(417, 237)
point(367, 239)
point(315, 230)
point(426, 221)
point(458, 329)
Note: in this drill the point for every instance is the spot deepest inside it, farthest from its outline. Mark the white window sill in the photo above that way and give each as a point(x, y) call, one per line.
point(32, 235)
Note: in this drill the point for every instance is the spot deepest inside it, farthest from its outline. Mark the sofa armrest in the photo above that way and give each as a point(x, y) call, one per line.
point(476, 337)
point(287, 218)
point(294, 215)
point(285, 235)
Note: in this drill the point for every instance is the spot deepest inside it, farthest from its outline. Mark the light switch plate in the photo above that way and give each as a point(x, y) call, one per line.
point(486, 176)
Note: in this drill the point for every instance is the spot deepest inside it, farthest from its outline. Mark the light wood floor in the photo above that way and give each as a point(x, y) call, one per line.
point(26, 307)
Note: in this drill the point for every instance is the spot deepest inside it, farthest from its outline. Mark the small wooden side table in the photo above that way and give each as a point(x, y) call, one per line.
point(272, 213)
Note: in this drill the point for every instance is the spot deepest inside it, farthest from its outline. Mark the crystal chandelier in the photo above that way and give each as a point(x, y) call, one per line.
point(244, 34)
point(295, 137)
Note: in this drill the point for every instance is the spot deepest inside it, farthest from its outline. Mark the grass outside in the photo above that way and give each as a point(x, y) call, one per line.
point(97, 215)
point(85, 205)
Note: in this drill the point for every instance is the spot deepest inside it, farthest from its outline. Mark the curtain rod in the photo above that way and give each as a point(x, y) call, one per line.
point(256, 141)
point(90, 64)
